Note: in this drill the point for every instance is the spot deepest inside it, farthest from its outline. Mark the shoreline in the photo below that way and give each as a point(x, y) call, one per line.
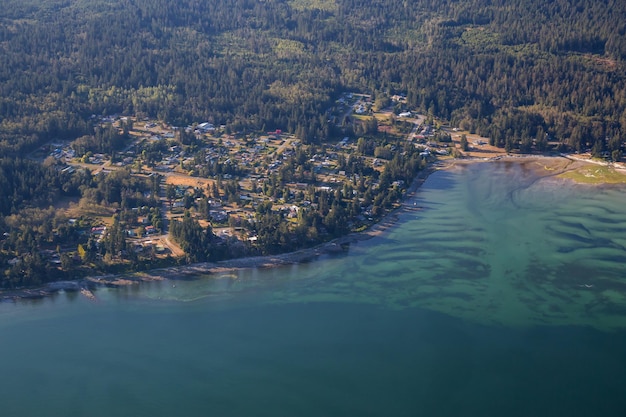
point(334, 246)
point(86, 286)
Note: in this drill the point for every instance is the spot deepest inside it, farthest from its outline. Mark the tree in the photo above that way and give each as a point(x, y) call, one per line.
point(170, 193)
point(616, 155)
point(82, 252)
point(464, 144)
point(66, 262)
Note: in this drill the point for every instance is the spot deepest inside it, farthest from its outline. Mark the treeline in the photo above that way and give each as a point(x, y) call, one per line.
point(105, 139)
point(199, 244)
point(27, 183)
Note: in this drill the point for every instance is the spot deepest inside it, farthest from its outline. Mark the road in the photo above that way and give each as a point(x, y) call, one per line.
point(411, 135)
point(287, 143)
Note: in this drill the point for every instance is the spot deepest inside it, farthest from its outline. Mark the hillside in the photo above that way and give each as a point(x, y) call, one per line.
point(510, 70)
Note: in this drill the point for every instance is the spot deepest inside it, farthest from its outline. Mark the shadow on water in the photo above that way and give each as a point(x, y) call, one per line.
point(440, 180)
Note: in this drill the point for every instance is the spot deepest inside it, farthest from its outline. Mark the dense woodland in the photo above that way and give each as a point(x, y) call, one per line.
point(509, 70)
point(526, 74)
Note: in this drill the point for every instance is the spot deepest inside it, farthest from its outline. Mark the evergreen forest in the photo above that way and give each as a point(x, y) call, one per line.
point(511, 71)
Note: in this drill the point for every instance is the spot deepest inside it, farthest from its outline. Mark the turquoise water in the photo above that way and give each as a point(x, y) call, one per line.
point(499, 292)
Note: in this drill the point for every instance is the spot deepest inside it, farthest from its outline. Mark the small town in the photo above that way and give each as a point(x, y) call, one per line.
point(160, 195)
point(257, 193)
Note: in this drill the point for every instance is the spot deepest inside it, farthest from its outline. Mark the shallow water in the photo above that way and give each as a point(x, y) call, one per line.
point(499, 293)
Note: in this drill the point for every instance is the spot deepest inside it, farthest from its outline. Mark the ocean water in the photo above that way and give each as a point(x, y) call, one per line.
point(500, 291)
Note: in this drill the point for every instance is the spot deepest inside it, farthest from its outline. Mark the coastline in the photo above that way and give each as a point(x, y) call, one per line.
point(334, 246)
point(558, 164)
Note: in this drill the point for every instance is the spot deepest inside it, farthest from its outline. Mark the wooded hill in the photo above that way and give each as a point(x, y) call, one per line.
point(512, 71)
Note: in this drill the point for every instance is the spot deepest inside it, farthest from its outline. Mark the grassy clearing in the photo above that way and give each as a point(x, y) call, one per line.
point(596, 175)
point(479, 38)
point(326, 5)
point(286, 48)
point(235, 44)
point(291, 93)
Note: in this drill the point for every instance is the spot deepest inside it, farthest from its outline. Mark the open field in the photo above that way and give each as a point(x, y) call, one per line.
point(478, 146)
point(596, 174)
point(187, 181)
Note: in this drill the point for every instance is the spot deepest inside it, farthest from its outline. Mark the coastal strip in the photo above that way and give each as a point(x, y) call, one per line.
point(546, 166)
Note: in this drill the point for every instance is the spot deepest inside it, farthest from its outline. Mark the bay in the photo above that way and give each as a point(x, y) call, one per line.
point(499, 291)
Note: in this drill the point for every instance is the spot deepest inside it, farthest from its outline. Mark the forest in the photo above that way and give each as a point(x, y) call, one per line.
point(510, 71)
point(525, 74)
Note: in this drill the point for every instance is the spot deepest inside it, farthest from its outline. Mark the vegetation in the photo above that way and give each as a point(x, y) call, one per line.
point(595, 175)
point(512, 72)
point(528, 75)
